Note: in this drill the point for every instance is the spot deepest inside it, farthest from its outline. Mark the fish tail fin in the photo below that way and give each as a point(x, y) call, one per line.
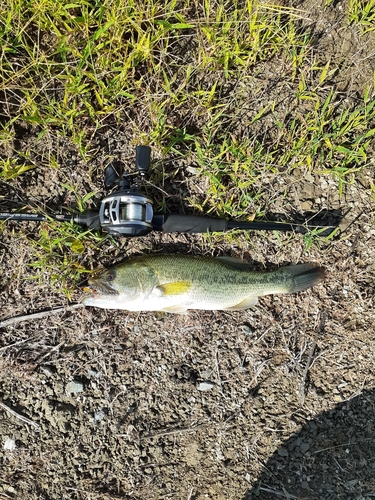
point(303, 276)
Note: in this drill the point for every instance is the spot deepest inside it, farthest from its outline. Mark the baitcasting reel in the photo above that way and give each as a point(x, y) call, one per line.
point(127, 212)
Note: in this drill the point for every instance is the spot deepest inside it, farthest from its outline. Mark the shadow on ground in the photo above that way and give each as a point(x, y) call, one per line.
point(331, 457)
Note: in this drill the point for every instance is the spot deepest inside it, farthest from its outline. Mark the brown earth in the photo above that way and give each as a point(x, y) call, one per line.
point(113, 402)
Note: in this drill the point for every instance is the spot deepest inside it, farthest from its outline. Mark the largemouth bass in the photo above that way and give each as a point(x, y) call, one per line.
point(176, 283)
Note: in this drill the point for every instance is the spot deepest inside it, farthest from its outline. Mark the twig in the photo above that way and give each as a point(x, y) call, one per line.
point(12, 345)
point(55, 348)
point(305, 371)
point(278, 493)
point(218, 370)
point(38, 315)
point(17, 415)
point(311, 354)
point(190, 494)
point(344, 445)
point(167, 432)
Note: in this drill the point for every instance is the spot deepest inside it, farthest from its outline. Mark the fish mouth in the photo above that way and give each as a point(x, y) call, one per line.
point(97, 287)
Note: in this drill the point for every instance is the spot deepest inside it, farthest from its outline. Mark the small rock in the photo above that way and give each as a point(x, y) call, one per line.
point(47, 371)
point(309, 177)
point(304, 447)
point(282, 452)
point(10, 444)
point(99, 415)
point(192, 170)
point(205, 386)
point(246, 330)
point(306, 205)
point(94, 373)
point(73, 387)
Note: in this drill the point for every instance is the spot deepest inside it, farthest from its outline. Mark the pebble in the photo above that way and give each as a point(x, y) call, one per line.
point(73, 387)
point(47, 371)
point(282, 452)
point(192, 170)
point(246, 330)
point(99, 415)
point(304, 447)
point(10, 444)
point(94, 373)
point(205, 386)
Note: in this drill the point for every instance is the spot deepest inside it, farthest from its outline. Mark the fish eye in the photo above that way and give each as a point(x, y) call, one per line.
point(110, 277)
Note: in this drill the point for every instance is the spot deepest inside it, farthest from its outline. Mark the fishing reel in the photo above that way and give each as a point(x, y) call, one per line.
point(127, 212)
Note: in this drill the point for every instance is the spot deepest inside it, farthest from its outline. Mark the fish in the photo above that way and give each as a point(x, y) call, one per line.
point(176, 283)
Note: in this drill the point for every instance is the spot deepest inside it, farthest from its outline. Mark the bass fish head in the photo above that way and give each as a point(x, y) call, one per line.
point(118, 288)
point(103, 291)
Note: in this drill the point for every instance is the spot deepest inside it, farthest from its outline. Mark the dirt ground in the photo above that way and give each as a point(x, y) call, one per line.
point(274, 402)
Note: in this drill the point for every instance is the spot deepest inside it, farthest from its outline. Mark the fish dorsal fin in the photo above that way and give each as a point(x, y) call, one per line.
point(173, 288)
point(235, 263)
point(244, 304)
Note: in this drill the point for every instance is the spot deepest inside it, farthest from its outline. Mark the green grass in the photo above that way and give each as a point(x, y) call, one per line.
point(56, 255)
point(71, 66)
point(179, 76)
point(330, 138)
point(11, 169)
point(362, 12)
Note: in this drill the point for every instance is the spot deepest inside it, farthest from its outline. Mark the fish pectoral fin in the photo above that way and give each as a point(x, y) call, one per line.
point(235, 263)
point(173, 288)
point(244, 304)
point(175, 309)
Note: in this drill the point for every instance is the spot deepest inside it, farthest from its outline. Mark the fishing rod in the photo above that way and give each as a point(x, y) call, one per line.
point(129, 213)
